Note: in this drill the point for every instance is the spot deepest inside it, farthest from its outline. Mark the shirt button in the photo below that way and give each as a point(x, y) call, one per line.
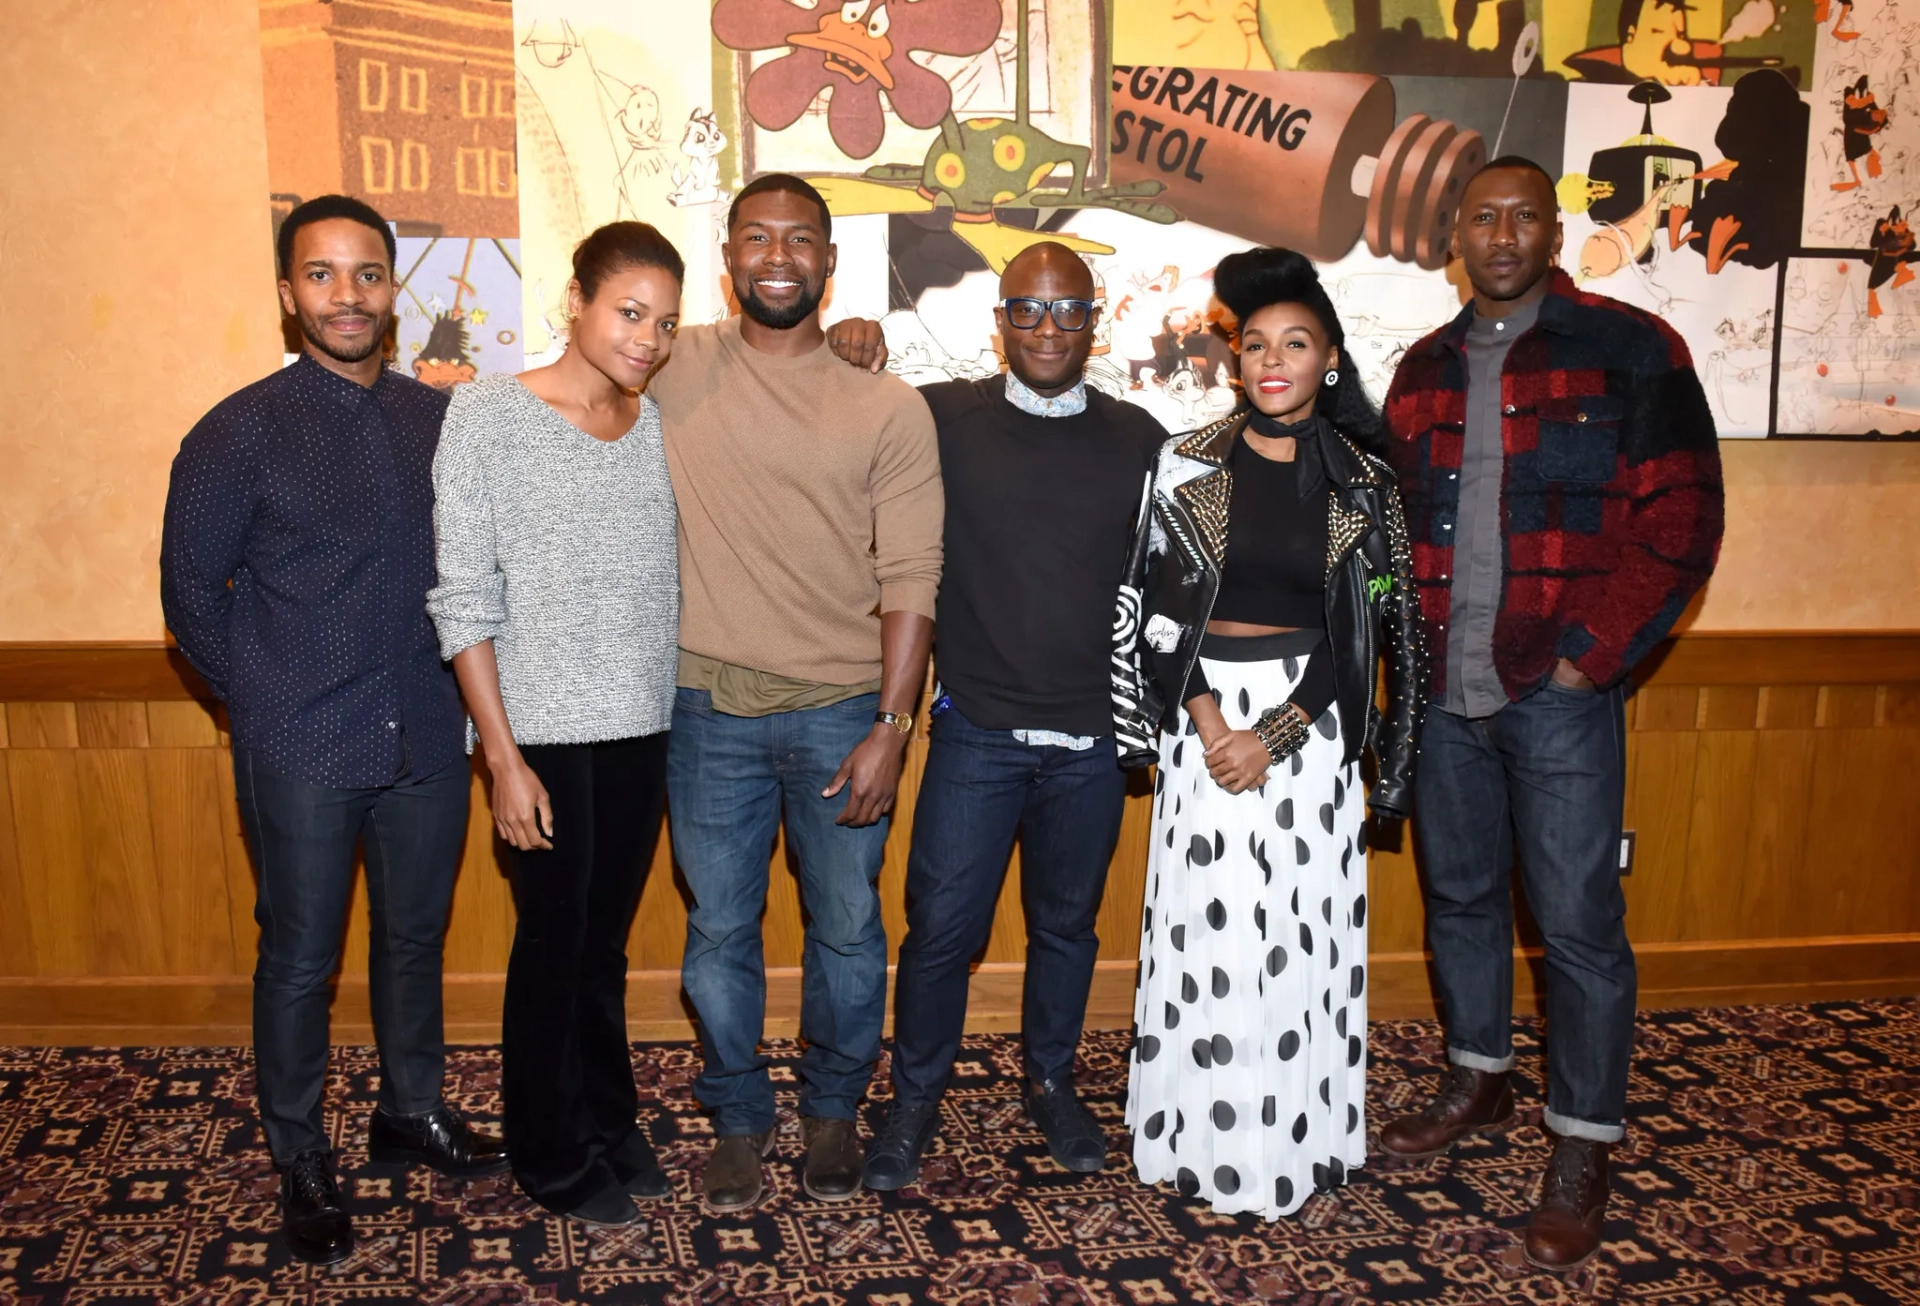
point(1447, 527)
point(393, 725)
point(1453, 476)
point(1509, 410)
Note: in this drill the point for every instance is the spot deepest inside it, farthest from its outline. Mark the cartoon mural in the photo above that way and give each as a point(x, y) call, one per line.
point(1746, 168)
point(458, 310)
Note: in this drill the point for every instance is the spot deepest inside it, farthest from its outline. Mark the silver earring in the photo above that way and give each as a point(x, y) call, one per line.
point(1333, 376)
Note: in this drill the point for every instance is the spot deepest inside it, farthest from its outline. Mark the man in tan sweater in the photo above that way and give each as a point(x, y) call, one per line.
point(810, 536)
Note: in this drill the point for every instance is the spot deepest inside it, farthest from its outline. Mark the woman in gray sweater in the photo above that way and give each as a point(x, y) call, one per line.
point(558, 604)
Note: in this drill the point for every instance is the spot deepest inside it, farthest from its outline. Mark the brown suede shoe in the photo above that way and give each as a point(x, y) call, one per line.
point(1469, 1102)
point(833, 1159)
point(732, 1181)
point(1565, 1229)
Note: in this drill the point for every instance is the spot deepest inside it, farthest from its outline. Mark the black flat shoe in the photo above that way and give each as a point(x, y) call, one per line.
point(609, 1207)
point(635, 1158)
point(312, 1217)
point(441, 1139)
point(1074, 1137)
point(893, 1158)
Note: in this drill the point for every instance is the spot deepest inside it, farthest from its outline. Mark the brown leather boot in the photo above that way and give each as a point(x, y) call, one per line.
point(834, 1160)
point(732, 1181)
point(1565, 1229)
point(1469, 1102)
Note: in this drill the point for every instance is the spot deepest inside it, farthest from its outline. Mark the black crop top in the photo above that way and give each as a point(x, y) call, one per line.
point(1274, 572)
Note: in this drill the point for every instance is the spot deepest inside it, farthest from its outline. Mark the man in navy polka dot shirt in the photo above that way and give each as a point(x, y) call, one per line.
point(294, 565)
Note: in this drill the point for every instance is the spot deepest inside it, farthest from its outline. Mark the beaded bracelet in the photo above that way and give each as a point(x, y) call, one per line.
point(1282, 731)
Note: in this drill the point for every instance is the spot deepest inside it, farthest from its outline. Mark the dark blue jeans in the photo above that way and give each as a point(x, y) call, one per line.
point(1548, 775)
point(303, 838)
point(728, 780)
point(979, 787)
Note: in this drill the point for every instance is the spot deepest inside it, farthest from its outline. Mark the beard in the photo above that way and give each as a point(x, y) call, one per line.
point(780, 319)
point(314, 330)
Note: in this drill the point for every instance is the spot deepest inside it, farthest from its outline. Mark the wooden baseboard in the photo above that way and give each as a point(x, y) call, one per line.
point(149, 1010)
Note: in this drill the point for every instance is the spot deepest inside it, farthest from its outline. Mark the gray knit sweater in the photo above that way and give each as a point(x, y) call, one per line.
point(560, 549)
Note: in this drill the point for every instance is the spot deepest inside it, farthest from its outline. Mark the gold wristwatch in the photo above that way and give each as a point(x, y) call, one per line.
point(902, 722)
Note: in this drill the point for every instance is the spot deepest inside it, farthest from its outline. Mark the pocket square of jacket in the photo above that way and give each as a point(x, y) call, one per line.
point(1163, 633)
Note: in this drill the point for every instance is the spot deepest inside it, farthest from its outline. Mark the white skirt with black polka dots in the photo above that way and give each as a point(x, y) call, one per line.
point(1248, 1075)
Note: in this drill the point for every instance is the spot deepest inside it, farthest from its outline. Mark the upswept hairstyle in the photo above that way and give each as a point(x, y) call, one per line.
point(319, 209)
point(1252, 279)
point(621, 245)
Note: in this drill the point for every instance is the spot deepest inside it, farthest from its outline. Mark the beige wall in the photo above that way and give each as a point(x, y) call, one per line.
point(135, 264)
point(135, 276)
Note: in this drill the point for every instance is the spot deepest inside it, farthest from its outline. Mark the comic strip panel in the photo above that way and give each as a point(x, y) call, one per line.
point(1850, 348)
point(1864, 160)
point(1684, 202)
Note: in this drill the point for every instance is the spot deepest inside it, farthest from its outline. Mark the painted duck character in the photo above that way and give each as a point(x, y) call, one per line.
point(1861, 119)
point(1893, 257)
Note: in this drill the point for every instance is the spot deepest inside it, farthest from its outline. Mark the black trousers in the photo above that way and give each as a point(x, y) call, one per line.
point(302, 837)
point(567, 1088)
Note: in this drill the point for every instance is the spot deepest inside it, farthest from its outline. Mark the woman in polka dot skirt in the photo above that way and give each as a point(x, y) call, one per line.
point(1272, 571)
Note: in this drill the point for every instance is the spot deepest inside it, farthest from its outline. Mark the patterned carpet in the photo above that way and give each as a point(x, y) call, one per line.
point(1774, 1157)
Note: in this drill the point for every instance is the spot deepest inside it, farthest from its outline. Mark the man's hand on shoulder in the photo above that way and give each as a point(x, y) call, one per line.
point(859, 341)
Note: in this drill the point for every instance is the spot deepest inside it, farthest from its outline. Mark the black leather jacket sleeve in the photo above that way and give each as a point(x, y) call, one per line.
point(1396, 741)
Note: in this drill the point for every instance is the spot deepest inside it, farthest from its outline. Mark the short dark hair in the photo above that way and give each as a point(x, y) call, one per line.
point(1519, 163)
point(321, 209)
point(620, 245)
point(1256, 278)
point(781, 181)
point(1630, 12)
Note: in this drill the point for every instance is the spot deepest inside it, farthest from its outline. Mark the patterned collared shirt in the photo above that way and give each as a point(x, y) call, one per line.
point(295, 561)
point(1069, 404)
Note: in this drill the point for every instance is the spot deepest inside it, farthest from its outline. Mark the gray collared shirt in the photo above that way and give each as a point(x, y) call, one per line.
point(1479, 553)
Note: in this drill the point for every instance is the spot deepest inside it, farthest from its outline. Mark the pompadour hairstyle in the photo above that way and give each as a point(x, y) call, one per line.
point(1257, 278)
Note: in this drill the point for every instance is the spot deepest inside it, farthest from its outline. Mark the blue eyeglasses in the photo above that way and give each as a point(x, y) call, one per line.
point(1068, 314)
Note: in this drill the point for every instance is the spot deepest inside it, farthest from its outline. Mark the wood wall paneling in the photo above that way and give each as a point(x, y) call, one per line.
point(1769, 782)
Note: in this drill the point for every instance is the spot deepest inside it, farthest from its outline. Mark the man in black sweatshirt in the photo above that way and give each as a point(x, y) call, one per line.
point(1043, 479)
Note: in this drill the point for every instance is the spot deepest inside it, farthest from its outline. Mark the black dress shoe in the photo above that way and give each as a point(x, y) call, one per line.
point(893, 1158)
point(441, 1139)
point(315, 1222)
point(1074, 1137)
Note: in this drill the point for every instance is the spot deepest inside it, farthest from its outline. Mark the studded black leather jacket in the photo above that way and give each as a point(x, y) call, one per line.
point(1173, 576)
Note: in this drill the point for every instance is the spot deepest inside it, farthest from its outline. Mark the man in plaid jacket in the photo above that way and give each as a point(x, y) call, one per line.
point(1558, 464)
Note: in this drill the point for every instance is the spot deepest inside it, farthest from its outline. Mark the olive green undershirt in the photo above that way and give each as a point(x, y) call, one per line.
point(743, 691)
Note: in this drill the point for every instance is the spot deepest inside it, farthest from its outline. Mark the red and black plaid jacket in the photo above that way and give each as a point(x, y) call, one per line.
point(1611, 499)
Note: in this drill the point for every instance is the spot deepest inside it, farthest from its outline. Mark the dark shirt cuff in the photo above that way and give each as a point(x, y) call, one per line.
point(1314, 694)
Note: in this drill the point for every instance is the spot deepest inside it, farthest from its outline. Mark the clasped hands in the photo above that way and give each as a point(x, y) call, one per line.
point(1236, 759)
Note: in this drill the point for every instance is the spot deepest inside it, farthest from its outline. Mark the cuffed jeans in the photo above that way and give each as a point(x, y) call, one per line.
point(728, 780)
point(566, 1067)
point(980, 786)
point(303, 838)
point(1549, 774)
